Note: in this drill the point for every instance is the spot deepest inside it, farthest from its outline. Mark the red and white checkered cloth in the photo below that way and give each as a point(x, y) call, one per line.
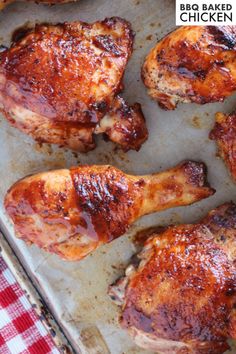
point(21, 331)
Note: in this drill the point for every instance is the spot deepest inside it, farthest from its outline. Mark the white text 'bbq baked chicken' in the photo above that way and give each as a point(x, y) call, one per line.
point(61, 84)
point(224, 132)
point(3, 3)
point(72, 212)
point(181, 297)
point(192, 64)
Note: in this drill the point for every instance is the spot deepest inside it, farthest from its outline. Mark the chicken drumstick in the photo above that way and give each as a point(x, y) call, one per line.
point(72, 212)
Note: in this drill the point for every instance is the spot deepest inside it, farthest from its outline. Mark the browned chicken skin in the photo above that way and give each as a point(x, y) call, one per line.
point(181, 297)
point(72, 212)
point(60, 84)
point(3, 3)
point(224, 132)
point(192, 64)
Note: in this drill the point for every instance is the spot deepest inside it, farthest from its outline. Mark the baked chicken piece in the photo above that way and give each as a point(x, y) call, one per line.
point(224, 133)
point(181, 297)
point(60, 84)
point(72, 212)
point(192, 64)
point(3, 3)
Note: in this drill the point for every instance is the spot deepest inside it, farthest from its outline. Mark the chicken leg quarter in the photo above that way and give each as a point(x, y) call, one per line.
point(181, 297)
point(61, 84)
point(224, 133)
point(192, 64)
point(72, 212)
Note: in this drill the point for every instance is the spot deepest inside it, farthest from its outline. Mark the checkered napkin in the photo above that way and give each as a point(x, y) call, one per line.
point(21, 331)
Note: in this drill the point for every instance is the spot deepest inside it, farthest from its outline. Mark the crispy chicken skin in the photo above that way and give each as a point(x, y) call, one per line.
point(60, 84)
point(224, 133)
point(72, 212)
point(192, 64)
point(3, 3)
point(181, 296)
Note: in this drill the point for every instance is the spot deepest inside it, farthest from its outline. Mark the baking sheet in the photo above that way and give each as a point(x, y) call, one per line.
point(76, 292)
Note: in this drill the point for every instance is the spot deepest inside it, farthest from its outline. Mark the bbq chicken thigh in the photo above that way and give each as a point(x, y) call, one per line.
point(192, 64)
point(3, 3)
point(224, 133)
point(72, 212)
point(181, 297)
point(60, 84)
